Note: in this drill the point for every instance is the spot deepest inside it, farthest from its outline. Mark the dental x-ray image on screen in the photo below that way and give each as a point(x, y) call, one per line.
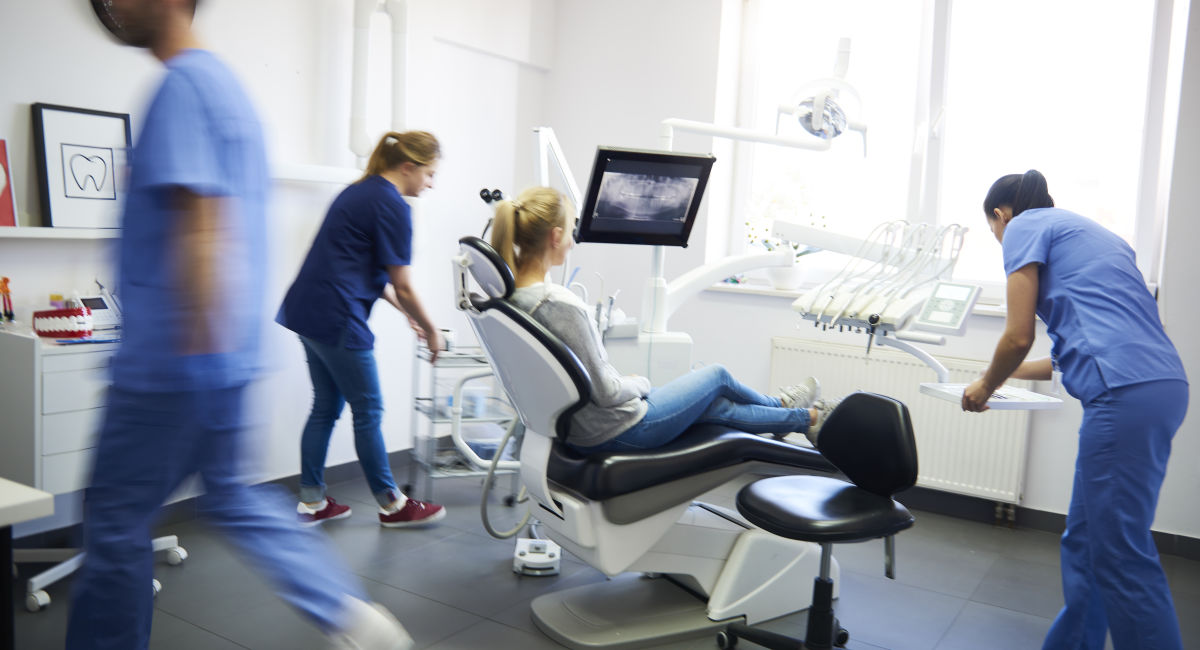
point(643, 197)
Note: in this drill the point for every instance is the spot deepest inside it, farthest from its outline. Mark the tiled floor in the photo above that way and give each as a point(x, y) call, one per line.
point(959, 585)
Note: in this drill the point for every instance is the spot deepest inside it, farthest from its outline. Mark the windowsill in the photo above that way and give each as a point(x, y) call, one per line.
point(763, 289)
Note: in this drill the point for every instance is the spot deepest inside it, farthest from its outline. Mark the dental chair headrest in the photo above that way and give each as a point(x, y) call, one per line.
point(870, 439)
point(487, 267)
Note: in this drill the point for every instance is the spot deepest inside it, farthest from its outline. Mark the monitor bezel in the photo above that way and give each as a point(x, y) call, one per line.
point(585, 233)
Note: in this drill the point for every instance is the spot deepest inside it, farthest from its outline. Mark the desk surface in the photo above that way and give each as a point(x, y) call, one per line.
point(21, 503)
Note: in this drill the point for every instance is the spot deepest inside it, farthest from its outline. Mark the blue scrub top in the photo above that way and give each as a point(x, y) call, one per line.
point(1101, 318)
point(367, 229)
point(200, 133)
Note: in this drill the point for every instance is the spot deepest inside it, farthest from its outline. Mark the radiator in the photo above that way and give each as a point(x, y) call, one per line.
point(976, 454)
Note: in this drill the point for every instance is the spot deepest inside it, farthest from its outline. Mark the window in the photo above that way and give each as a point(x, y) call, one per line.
point(954, 94)
point(1055, 86)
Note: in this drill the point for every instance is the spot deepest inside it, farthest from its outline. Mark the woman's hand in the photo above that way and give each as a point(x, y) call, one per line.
point(976, 395)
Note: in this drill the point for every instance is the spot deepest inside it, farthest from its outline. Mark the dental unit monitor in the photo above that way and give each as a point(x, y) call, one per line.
point(643, 197)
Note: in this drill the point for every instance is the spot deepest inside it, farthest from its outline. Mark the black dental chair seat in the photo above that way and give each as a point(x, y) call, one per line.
point(632, 485)
point(820, 509)
point(605, 475)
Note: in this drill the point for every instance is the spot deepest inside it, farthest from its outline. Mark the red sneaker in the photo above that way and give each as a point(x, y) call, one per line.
point(414, 513)
point(311, 516)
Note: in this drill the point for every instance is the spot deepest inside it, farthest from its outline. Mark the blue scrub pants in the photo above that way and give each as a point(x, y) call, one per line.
point(709, 395)
point(1112, 579)
point(149, 443)
point(340, 376)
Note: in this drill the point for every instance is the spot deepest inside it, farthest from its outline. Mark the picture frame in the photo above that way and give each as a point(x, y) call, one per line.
point(8, 194)
point(81, 156)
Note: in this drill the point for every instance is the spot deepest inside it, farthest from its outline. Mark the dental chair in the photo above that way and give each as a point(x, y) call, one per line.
point(634, 512)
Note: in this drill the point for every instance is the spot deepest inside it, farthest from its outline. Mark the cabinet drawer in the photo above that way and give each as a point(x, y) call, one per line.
point(66, 472)
point(73, 390)
point(75, 361)
point(70, 431)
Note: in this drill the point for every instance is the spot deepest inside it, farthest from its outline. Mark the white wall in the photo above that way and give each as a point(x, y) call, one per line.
point(475, 80)
point(660, 66)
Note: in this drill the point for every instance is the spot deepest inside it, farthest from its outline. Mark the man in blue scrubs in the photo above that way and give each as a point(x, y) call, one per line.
point(191, 283)
point(1116, 359)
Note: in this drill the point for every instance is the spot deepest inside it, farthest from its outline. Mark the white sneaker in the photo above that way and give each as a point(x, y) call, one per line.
point(823, 407)
point(370, 626)
point(802, 395)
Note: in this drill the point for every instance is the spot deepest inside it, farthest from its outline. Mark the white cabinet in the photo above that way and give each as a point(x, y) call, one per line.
point(51, 403)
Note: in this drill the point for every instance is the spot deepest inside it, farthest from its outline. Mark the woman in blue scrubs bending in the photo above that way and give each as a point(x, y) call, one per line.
point(361, 253)
point(1115, 358)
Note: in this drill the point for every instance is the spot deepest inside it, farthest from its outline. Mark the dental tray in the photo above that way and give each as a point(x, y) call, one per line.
point(1005, 398)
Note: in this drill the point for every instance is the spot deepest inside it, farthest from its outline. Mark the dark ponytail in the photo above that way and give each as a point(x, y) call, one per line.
point(1020, 192)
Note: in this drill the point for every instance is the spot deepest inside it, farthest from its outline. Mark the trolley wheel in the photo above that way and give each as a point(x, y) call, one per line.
point(155, 586)
point(510, 500)
point(726, 640)
point(841, 638)
point(35, 601)
point(176, 555)
point(407, 488)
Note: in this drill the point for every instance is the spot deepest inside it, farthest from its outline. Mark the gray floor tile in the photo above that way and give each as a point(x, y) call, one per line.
point(469, 572)
point(428, 621)
point(1022, 586)
point(984, 627)
point(173, 633)
point(518, 614)
point(1183, 574)
point(922, 561)
point(894, 615)
point(494, 636)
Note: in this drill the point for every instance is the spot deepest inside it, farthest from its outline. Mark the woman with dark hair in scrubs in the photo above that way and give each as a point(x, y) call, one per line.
point(361, 253)
point(1115, 358)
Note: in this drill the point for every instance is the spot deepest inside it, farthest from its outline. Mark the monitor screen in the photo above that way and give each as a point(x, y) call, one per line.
point(643, 197)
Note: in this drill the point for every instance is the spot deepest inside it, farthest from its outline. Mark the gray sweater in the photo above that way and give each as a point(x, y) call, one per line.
point(616, 402)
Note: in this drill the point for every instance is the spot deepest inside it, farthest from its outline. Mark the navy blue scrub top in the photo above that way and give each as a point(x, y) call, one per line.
point(368, 228)
point(1100, 316)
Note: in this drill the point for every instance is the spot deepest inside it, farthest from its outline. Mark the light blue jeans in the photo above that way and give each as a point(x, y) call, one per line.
point(709, 395)
point(148, 444)
point(340, 376)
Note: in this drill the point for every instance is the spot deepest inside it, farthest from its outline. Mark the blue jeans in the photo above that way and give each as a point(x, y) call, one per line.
point(149, 443)
point(709, 395)
point(1112, 579)
point(340, 376)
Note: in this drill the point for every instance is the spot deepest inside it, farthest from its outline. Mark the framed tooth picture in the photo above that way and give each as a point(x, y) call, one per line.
point(81, 156)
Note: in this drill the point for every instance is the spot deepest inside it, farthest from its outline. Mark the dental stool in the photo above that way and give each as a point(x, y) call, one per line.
point(826, 510)
point(634, 512)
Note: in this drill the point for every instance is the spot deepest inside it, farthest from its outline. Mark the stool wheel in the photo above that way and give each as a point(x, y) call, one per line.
point(725, 640)
point(841, 638)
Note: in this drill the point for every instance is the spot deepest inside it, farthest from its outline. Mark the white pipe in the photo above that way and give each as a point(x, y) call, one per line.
point(943, 375)
point(360, 141)
point(398, 11)
point(737, 133)
point(700, 278)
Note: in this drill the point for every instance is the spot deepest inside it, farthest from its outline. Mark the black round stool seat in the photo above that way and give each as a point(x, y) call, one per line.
point(820, 509)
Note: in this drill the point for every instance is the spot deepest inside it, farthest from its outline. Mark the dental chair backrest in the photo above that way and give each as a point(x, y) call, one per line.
point(543, 379)
point(870, 439)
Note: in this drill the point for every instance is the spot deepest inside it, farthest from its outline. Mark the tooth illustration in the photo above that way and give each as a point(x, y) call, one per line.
point(89, 168)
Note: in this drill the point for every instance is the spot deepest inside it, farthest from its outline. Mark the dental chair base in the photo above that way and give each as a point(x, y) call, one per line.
point(717, 568)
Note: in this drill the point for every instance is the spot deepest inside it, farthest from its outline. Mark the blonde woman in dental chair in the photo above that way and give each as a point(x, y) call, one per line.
point(625, 413)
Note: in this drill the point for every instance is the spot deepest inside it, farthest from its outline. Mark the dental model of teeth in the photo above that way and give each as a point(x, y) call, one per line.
point(63, 323)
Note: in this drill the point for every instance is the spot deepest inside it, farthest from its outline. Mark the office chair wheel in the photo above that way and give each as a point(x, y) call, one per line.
point(36, 600)
point(725, 640)
point(156, 586)
point(407, 488)
point(176, 555)
point(841, 638)
point(510, 500)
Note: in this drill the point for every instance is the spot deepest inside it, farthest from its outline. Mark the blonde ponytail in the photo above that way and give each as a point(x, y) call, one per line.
point(395, 149)
point(522, 227)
